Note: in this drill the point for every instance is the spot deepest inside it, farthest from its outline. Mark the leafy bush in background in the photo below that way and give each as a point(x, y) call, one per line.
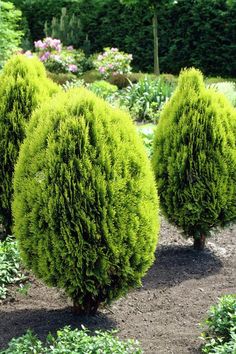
point(194, 158)
point(145, 99)
point(73, 341)
point(228, 89)
point(103, 89)
point(113, 62)
point(10, 270)
point(10, 34)
point(24, 86)
point(85, 206)
point(58, 59)
point(220, 333)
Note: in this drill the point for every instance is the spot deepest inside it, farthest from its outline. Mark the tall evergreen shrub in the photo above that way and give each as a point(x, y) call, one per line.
point(195, 158)
point(23, 86)
point(85, 205)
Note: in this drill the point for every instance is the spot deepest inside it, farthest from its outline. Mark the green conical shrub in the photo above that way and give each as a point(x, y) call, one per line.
point(195, 158)
point(85, 203)
point(23, 86)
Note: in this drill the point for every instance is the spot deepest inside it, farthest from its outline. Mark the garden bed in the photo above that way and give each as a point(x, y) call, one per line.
point(163, 315)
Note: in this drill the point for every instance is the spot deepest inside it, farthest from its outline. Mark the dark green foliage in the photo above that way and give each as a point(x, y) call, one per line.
point(220, 332)
point(85, 203)
point(195, 157)
point(23, 87)
point(186, 30)
point(72, 341)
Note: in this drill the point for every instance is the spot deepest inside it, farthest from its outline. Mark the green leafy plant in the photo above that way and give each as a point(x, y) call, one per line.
point(145, 99)
point(73, 341)
point(10, 34)
point(147, 133)
point(85, 205)
point(228, 89)
point(24, 86)
point(220, 333)
point(103, 89)
point(10, 269)
point(194, 158)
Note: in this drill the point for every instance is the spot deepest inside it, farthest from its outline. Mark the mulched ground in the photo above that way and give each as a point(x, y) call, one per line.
point(163, 315)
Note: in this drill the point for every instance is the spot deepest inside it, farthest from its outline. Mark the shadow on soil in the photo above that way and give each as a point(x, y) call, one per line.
point(44, 321)
point(175, 264)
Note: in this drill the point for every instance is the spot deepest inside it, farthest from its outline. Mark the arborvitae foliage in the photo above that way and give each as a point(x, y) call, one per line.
point(195, 158)
point(23, 87)
point(85, 205)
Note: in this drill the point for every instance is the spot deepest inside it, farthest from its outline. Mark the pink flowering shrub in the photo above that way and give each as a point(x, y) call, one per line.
point(113, 62)
point(58, 59)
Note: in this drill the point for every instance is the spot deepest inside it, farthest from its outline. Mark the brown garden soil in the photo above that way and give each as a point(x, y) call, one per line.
point(164, 315)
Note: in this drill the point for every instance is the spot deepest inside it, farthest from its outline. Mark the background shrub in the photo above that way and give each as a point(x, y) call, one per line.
point(10, 34)
point(220, 333)
point(145, 99)
point(210, 24)
point(23, 87)
point(228, 89)
point(103, 89)
point(195, 158)
point(85, 203)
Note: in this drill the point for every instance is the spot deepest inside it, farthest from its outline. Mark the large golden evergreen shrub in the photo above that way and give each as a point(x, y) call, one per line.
point(85, 206)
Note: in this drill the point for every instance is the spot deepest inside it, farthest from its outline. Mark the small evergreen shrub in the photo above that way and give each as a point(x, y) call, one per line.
point(23, 87)
point(72, 341)
point(220, 333)
point(85, 204)
point(195, 158)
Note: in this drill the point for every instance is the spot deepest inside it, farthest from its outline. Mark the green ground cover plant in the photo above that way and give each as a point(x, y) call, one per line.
point(10, 266)
point(73, 341)
point(85, 205)
point(220, 327)
point(24, 86)
point(194, 158)
point(145, 99)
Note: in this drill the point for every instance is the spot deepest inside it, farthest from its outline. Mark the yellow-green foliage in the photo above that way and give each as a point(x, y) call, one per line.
point(85, 205)
point(195, 157)
point(23, 86)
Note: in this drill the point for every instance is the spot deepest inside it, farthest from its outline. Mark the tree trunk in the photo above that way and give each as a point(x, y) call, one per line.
point(89, 307)
point(199, 243)
point(155, 37)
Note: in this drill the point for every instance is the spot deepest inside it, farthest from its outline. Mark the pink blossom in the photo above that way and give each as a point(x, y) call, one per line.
point(45, 56)
point(73, 68)
point(70, 47)
point(102, 70)
point(39, 44)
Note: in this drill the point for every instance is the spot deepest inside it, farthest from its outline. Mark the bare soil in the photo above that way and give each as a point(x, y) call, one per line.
point(164, 314)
